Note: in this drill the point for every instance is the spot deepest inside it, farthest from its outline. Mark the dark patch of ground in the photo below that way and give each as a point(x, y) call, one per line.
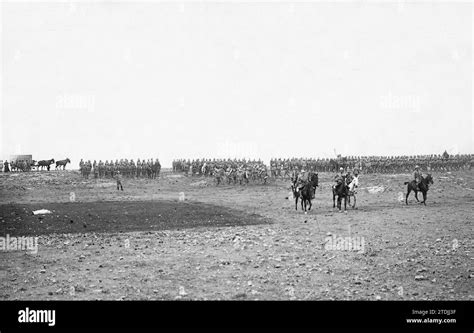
point(118, 216)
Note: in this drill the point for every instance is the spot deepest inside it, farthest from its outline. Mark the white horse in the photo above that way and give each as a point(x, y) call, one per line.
point(352, 192)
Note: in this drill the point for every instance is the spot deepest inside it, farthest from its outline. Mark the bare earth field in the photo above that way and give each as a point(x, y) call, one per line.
point(184, 238)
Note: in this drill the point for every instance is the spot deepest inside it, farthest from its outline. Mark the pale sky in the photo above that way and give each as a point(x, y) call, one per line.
point(233, 79)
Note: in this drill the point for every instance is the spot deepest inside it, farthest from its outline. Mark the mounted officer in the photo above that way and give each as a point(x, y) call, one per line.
point(340, 177)
point(417, 175)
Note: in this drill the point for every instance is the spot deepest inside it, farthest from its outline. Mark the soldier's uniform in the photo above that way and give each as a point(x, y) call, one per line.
point(340, 177)
point(417, 175)
point(96, 169)
point(301, 179)
point(81, 167)
point(118, 177)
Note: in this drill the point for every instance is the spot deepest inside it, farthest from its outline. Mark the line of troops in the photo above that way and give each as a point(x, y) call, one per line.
point(141, 169)
point(224, 170)
point(372, 164)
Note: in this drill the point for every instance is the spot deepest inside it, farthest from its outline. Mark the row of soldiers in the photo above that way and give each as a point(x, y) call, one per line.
point(142, 169)
point(205, 167)
point(224, 170)
point(373, 164)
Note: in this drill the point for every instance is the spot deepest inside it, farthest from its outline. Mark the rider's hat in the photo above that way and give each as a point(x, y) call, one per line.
point(341, 169)
point(417, 166)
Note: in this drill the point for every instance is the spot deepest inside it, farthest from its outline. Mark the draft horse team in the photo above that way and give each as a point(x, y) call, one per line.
point(27, 165)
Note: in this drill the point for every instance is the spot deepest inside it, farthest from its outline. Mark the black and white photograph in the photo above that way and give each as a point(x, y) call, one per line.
point(167, 152)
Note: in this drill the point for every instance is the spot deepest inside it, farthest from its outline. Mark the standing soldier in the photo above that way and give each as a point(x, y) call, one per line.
point(89, 168)
point(157, 168)
point(219, 173)
point(6, 168)
point(143, 168)
point(133, 169)
point(118, 177)
point(101, 169)
point(96, 169)
point(107, 168)
point(139, 168)
point(81, 168)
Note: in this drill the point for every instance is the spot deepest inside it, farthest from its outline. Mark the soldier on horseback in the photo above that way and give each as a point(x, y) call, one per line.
point(417, 176)
point(340, 177)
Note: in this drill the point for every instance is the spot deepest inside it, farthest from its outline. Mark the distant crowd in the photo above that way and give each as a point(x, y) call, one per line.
point(372, 164)
point(253, 169)
point(224, 170)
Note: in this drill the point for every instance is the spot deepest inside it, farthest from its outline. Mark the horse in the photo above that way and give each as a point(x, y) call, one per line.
point(352, 193)
point(296, 195)
point(341, 191)
point(45, 163)
point(423, 187)
point(62, 163)
point(33, 164)
point(308, 191)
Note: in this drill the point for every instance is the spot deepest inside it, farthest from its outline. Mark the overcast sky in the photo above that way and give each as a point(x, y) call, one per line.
point(170, 80)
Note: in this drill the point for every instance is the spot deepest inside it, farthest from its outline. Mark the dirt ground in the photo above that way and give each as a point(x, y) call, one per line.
point(184, 238)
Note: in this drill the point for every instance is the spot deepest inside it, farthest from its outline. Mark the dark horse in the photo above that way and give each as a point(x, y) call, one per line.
point(45, 163)
point(62, 163)
point(341, 191)
point(423, 187)
point(309, 190)
point(306, 193)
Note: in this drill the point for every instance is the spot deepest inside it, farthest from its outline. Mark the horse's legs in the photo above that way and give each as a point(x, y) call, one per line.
point(408, 193)
point(416, 195)
point(424, 198)
point(354, 205)
point(333, 199)
point(345, 203)
point(296, 202)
